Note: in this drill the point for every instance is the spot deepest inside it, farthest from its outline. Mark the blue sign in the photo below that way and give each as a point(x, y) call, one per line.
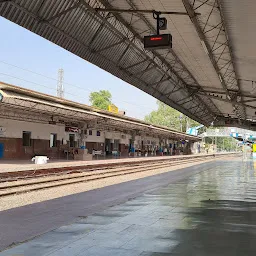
point(192, 131)
point(1, 150)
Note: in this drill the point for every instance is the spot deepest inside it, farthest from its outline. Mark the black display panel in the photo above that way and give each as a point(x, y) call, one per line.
point(158, 41)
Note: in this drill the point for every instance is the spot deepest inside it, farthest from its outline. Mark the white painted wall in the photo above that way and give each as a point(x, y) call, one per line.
point(122, 137)
point(94, 137)
point(145, 139)
point(14, 129)
point(125, 140)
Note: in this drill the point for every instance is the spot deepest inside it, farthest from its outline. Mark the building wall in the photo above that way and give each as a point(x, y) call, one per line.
point(11, 132)
point(11, 138)
point(13, 149)
point(14, 129)
point(94, 137)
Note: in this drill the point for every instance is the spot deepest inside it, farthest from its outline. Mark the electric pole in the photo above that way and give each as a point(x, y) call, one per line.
point(60, 86)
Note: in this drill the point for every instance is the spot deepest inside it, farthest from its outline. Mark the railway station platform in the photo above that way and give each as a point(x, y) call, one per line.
point(207, 209)
point(25, 165)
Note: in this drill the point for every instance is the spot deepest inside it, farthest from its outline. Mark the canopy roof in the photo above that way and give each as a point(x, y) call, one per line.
point(26, 105)
point(200, 76)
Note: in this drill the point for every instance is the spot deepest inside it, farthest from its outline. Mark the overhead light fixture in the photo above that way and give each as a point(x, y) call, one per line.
point(204, 46)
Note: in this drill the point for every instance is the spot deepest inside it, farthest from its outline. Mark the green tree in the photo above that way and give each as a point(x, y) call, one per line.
point(100, 99)
point(223, 143)
point(170, 117)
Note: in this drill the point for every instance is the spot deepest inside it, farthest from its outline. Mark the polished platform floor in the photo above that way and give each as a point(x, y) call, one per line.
point(210, 213)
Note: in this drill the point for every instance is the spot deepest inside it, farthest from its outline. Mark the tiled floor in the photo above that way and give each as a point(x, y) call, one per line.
point(211, 213)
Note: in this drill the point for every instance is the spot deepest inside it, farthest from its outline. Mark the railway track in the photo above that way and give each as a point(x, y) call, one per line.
point(30, 184)
point(27, 174)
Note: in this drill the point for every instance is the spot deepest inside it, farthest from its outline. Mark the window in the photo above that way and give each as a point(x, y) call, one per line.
point(72, 140)
point(90, 132)
point(85, 132)
point(53, 140)
point(98, 133)
point(116, 145)
point(26, 139)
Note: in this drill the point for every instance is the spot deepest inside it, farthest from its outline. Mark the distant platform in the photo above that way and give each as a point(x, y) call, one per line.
point(25, 165)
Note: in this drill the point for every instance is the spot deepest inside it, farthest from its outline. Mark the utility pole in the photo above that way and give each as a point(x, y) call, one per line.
point(60, 86)
point(181, 117)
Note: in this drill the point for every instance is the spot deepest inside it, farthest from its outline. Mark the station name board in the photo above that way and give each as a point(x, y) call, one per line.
point(71, 129)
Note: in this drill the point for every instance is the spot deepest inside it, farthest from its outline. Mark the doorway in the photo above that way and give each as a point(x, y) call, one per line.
point(107, 146)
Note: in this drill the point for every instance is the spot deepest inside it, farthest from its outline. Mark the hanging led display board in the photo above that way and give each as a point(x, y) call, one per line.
point(158, 42)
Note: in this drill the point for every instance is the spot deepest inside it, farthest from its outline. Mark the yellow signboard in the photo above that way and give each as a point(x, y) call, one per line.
point(254, 147)
point(112, 108)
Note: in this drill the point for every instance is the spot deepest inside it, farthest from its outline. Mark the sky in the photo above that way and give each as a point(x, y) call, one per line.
point(32, 62)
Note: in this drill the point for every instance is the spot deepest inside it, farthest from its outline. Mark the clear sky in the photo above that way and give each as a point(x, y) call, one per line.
point(22, 51)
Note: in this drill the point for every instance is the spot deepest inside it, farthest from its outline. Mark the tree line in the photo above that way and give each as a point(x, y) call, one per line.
point(164, 115)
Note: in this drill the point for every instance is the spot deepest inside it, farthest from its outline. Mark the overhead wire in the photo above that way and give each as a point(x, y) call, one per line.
point(74, 95)
point(35, 83)
point(73, 85)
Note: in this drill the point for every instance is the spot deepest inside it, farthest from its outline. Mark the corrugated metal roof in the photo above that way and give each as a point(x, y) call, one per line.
point(184, 77)
point(17, 98)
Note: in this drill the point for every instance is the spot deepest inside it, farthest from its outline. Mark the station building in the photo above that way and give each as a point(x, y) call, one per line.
point(33, 123)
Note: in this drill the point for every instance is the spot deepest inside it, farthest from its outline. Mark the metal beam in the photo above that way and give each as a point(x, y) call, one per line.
point(110, 46)
point(235, 102)
point(76, 5)
point(108, 6)
point(246, 101)
point(172, 91)
point(210, 49)
point(230, 90)
point(141, 11)
point(126, 49)
point(161, 96)
point(136, 64)
point(81, 49)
